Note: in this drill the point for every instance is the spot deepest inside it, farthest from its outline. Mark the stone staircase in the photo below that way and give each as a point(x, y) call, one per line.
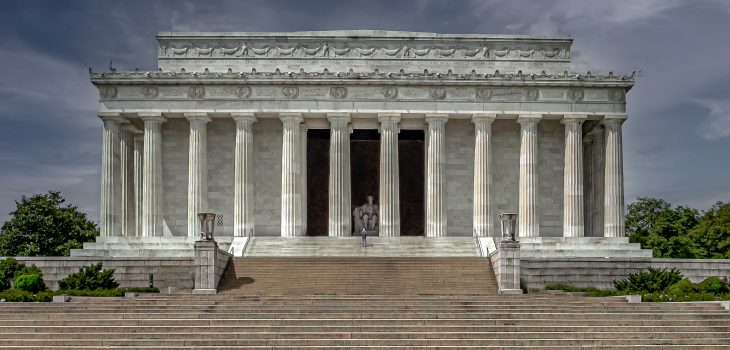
point(358, 276)
point(238, 321)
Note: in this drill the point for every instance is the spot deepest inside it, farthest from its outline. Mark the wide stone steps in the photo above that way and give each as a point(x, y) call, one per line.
point(233, 321)
point(359, 275)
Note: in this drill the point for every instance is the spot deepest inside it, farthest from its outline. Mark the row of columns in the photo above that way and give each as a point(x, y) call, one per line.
point(123, 213)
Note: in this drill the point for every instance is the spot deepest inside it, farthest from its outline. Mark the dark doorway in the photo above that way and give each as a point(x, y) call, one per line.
point(318, 172)
point(365, 166)
point(411, 149)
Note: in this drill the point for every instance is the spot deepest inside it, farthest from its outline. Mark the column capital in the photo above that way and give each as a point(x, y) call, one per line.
point(437, 117)
point(389, 117)
point(244, 117)
point(338, 117)
point(152, 117)
point(197, 116)
point(574, 118)
point(529, 118)
point(291, 117)
point(483, 117)
point(617, 118)
point(112, 116)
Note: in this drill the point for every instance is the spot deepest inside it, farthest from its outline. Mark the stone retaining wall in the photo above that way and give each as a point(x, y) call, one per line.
point(601, 272)
point(128, 272)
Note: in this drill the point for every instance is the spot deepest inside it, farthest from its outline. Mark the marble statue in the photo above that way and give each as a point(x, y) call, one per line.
point(366, 216)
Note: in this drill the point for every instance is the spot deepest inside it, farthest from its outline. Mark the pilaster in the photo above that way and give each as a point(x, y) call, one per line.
point(340, 192)
point(291, 220)
point(389, 205)
point(483, 221)
point(436, 223)
point(197, 169)
point(573, 219)
point(152, 209)
point(613, 222)
point(244, 181)
point(529, 221)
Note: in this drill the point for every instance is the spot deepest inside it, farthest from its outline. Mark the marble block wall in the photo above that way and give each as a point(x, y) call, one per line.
point(505, 170)
point(459, 177)
point(267, 162)
point(551, 149)
point(175, 140)
point(221, 143)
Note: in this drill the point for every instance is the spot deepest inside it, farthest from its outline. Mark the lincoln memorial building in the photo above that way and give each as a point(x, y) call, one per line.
point(331, 133)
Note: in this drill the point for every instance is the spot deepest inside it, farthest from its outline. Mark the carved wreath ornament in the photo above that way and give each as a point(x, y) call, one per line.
point(338, 92)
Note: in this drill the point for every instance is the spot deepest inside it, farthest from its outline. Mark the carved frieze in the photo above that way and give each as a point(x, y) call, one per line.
point(196, 92)
point(107, 92)
point(290, 91)
point(150, 91)
point(575, 95)
point(338, 92)
point(390, 92)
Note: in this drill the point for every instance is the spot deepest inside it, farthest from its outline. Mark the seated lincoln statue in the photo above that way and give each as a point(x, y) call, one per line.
point(366, 216)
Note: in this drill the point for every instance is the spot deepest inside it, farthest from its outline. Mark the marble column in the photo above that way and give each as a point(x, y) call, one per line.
point(528, 218)
point(197, 170)
point(152, 175)
point(138, 150)
point(573, 220)
point(111, 185)
point(291, 220)
point(613, 210)
point(389, 201)
point(303, 128)
point(128, 200)
point(340, 192)
point(243, 186)
point(436, 222)
point(483, 220)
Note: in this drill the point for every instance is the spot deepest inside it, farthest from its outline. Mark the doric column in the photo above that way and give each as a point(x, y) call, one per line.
point(529, 221)
point(243, 186)
point(138, 150)
point(197, 170)
point(594, 181)
point(573, 220)
point(613, 222)
point(152, 175)
point(290, 175)
point(483, 225)
point(126, 159)
point(302, 189)
point(339, 182)
point(111, 185)
point(389, 201)
point(435, 171)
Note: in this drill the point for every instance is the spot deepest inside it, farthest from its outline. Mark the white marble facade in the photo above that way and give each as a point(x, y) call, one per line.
point(222, 127)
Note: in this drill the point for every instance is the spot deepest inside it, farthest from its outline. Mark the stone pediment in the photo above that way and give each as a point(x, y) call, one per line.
point(362, 51)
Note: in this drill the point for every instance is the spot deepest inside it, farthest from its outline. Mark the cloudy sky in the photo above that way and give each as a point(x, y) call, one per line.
point(676, 142)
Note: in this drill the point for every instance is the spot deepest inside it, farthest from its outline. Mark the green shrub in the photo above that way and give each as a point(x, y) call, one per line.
point(592, 291)
point(8, 267)
point(714, 285)
point(143, 290)
point(118, 292)
point(90, 277)
point(665, 297)
point(14, 295)
point(652, 281)
point(683, 287)
point(30, 283)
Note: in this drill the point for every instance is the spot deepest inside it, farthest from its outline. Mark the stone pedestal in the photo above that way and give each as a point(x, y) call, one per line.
point(529, 222)
point(389, 205)
point(243, 185)
point(483, 221)
point(206, 279)
point(340, 193)
point(435, 172)
point(506, 264)
point(573, 220)
point(613, 222)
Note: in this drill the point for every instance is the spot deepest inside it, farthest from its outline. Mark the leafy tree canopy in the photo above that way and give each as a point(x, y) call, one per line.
point(679, 232)
point(43, 225)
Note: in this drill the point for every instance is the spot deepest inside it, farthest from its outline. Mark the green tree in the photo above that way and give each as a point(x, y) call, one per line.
point(711, 236)
point(658, 226)
point(42, 225)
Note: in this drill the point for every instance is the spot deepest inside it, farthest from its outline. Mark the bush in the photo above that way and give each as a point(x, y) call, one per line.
point(713, 285)
point(30, 283)
point(90, 277)
point(666, 297)
point(119, 292)
point(8, 267)
point(683, 287)
point(14, 295)
point(652, 281)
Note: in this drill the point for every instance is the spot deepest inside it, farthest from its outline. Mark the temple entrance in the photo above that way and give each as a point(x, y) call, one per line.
point(318, 173)
point(411, 155)
point(365, 169)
